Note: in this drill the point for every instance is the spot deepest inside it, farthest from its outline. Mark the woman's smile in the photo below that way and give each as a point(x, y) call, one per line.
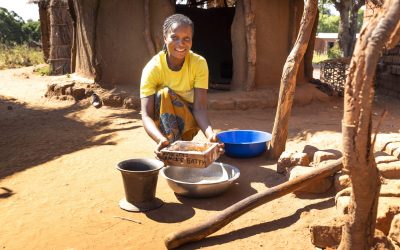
point(178, 41)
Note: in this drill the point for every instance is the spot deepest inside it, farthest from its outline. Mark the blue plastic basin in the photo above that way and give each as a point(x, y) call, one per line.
point(244, 143)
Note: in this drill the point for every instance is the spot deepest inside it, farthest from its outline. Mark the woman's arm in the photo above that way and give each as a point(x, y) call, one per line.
point(200, 114)
point(147, 106)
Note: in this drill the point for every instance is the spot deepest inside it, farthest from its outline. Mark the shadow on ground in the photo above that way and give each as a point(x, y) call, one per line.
point(30, 137)
point(259, 228)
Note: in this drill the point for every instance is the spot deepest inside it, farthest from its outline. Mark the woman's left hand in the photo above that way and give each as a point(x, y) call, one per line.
point(213, 138)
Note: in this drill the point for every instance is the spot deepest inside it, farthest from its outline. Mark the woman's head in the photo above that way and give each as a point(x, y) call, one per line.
point(178, 33)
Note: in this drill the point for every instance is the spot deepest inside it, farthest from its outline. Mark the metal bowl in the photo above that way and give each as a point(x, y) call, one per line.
point(244, 143)
point(200, 182)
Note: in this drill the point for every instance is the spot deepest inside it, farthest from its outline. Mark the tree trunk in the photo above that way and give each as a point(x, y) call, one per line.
point(44, 28)
point(308, 67)
point(344, 26)
point(288, 81)
point(60, 38)
point(250, 28)
point(356, 128)
point(348, 10)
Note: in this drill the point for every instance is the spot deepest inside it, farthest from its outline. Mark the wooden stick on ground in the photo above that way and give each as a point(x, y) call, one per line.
point(200, 231)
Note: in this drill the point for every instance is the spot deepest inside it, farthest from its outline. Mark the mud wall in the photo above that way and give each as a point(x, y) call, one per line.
point(388, 74)
point(122, 50)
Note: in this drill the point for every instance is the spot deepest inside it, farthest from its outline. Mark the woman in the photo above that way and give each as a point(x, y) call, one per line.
point(173, 88)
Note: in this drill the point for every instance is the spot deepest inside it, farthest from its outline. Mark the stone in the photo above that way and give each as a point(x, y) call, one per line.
point(391, 147)
point(310, 151)
point(112, 100)
point(328, 154)
point(385, 158)
point(284, 162)
point(388, 207)
point(78, 93)
point(131, 103)
point(342, 204)
point(381, 242)
point(390, 170)
point(390, 188)
point(327, 234)
point(396, 153)
point(299, 159)
point(341, 181)
point(394, 232)
point(318, 187)
point(384, 140)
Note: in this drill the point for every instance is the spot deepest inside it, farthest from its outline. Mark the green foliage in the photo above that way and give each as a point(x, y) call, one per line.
point(360, 19)
point(19, 56)
point(43, 70)
point(335, 52)
point(328, 23)
point(13, 29)
point(31, 30)
point(317, 57)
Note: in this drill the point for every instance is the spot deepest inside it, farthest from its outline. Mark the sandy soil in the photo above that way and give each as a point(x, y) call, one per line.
point(59, 188)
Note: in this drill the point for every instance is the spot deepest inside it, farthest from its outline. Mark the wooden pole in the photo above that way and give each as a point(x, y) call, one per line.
point(250, 28)
point(202, 230)
point(288, 81)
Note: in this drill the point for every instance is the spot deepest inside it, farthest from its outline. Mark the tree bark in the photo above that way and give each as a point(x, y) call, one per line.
point(250, 28)
point(356, 128)
point(348, 10)
point(288, 81)
point(44, 28)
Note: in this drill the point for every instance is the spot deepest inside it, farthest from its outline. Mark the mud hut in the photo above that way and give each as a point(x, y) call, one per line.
point(245, 42)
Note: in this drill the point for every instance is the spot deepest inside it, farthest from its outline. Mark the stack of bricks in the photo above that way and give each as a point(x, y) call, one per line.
point(388, 73)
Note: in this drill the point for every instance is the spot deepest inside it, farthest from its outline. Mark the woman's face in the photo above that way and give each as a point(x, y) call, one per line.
point(179, 41)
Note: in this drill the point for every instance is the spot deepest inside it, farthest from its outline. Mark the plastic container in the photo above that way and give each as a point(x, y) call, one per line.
point(244, 143)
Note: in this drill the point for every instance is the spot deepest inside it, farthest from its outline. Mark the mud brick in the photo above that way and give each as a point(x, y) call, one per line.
point(342, 204)
point(388, 207)
point(396, 59)
point(284, 162)
point(394, 232)
point(327, 234)
point(300, 159)
point(391, 147)
point(390, 188)
point(310, 151)
point(328, 154)
point(341, 181)
point(318, 187)
point(395, 69)
point(390, 170)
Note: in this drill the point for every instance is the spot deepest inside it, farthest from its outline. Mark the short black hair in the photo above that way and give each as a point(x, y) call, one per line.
point(179, 19)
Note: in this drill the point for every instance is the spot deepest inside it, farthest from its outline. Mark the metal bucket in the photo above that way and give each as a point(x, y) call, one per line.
point(140, 182)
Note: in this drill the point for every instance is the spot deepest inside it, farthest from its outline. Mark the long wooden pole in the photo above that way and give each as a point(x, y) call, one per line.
point(198, 232)
point(288, 81)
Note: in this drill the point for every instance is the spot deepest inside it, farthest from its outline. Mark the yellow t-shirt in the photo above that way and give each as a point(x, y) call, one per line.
point(157, 75)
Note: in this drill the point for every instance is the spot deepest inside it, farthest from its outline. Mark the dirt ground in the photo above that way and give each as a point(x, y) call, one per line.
point(59, 188)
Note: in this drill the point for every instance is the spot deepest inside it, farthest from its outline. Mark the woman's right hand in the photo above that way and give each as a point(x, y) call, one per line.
point(161, 144)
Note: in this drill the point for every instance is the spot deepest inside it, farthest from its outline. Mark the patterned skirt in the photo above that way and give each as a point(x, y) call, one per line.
point(174, 116)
